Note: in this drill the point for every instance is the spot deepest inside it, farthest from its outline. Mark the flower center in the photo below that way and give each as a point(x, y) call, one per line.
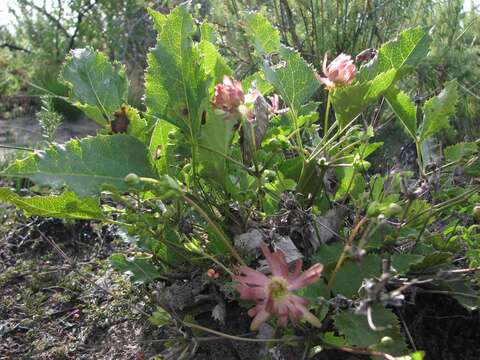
point(277, 287)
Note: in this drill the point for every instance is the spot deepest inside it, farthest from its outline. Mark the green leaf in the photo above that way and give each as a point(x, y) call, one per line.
point(258, 80)
point(460, 151)
point(403, 262)
point(137, 126)
point(176, 89)
point(86, 165)
point(295, 80)
point(97, 87)
point(351, 275)
point(407, 51)
point(160, 149)
point(351, 183)
point(214, 64)
point(265, 38)
point(214, 145)
point(66, 205)
point(404, 108)
point(350, 101)
point(140, 269)
point(437, 110)
point(357, 332)
point(160, 317)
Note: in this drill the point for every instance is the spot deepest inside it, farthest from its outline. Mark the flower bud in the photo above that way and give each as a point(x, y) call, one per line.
point(476, 212)
point(132, 179)
point(341, 71)
point(228, 95)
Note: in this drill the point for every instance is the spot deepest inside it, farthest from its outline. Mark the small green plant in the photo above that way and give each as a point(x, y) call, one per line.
point(216, 169)
point(49, 119)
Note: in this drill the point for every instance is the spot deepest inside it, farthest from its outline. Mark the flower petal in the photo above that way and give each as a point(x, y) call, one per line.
point(253, 277)
point(250, 292)
point(308, 277)
point(259, 319)
point(276, 261)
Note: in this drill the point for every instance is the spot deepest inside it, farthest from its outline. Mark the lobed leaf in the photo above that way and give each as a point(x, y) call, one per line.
point(437, 111)
point(357, 331)
point(265, 38)
point(66, 205)
point(294, 79)
point(408, 50)
point(176, 89)
point(97, 87)
point(86, 165)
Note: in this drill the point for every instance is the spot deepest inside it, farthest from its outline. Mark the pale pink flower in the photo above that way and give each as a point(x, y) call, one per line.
point(228, 95)
point(341, 71)
point(274, 295)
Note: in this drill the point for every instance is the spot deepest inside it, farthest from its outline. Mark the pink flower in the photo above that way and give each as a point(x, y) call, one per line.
point(274, 295)
point(341, 71)
point(228, 95)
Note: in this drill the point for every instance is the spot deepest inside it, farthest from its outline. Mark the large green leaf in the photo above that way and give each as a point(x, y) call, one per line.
point(357, 332)
point(215, 144)
point(294, 80)
point(351, 275)
point(437, 110)
point(176, 89)
point(86, 165)
point(406, 51)
point(350, 101)
point(265, 38)
point(404, 108)
point(66, 205)
point(96, 86)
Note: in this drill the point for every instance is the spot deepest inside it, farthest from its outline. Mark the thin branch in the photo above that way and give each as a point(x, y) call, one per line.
point(14, 47)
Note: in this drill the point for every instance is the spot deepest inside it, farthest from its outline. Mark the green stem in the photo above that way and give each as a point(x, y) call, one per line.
point(325, 121)
point(13, 147)
point(215, 228)
point(419, 158)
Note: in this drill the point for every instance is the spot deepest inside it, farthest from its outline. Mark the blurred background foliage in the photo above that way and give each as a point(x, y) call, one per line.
point(40, 34)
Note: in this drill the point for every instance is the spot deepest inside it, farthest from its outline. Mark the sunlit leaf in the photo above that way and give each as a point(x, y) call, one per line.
point(86, 165)
point(294, 79)
point(66, 205)
point(96, 86)
point(404, 108)
point(408, 50)
point(176, 88)
point(265, 38)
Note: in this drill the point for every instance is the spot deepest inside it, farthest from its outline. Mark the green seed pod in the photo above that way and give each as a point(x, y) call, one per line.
point(386, 340)
point(476, 212)
point(393, 209)
point(373, 209)
point(132, 179)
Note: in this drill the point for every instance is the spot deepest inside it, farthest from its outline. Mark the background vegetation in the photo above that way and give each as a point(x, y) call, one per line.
point(34, 46)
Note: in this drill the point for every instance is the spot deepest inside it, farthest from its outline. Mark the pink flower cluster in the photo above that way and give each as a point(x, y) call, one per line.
point(341, 71)
point(228, 95)
point(274, 295)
